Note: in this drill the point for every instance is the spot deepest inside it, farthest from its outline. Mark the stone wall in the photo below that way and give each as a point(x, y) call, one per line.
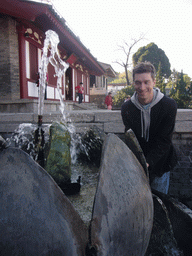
point(181, 176)
point(9, 59)
point(99, 100)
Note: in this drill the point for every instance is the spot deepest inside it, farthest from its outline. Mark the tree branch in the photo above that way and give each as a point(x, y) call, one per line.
point(126, 49)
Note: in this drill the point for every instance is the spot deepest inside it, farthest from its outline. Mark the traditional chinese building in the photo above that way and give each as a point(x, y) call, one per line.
point(22, 32)
point(99, 85)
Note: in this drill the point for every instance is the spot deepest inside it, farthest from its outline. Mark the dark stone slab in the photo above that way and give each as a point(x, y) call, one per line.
point(181, 220)
point(133, 144)
point(36, 218)
point(162, 241)
point(123, 208)
point(90, 146)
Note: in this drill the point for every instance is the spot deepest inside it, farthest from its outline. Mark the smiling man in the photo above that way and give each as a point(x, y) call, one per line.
point(151, 115)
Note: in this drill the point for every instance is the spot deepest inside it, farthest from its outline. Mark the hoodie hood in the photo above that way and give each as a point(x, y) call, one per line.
point(146, 110)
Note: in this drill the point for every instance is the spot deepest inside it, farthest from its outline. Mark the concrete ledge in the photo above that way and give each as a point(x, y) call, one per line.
point(184, 115)
point(83, 127)
point(30, 106)
point(8, 128)
point(107, 115)
point(81, 116)
point(108, 121)
point(183, 126)
point(114, 127)
point(19, 117)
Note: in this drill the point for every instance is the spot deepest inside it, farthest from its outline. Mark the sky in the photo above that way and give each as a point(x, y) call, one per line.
point(103, 25)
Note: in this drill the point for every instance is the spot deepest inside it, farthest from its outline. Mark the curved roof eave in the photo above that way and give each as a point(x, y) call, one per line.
point(46, 17)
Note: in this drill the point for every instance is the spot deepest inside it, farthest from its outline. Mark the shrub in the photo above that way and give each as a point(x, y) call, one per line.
point(121, 95)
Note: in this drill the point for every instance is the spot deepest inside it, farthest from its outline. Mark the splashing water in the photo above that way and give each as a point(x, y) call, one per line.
point(51, 46)
point(23, 136)
point(51, 55)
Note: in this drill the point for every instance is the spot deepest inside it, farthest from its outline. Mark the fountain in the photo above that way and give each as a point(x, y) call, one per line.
point(43, 212)
point(38, 219)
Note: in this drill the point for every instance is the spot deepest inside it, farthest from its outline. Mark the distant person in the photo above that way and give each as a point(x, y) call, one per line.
point(127, 98)
point(109, 101)
point(151, 115)
point(80, 90)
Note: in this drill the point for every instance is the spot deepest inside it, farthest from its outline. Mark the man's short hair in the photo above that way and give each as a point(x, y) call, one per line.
point(144, 67)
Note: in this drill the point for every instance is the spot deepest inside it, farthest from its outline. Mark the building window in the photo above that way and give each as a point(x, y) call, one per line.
point(32, 68)
point(92, 81)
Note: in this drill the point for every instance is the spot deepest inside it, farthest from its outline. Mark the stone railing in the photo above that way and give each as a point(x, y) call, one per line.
point(107, 121)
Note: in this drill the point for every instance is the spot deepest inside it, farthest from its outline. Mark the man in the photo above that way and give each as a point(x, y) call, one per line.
point(151, 115)
point(80, 90)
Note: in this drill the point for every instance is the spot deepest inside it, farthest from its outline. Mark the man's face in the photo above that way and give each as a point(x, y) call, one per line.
point(144, 84)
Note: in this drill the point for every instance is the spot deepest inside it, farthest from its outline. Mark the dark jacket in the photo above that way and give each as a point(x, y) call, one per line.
point(159, 151)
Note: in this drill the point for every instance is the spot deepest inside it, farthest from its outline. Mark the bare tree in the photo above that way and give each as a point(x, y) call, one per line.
point(126, 49)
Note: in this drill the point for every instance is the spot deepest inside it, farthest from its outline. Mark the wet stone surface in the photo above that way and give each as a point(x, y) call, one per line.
point(162, 241)
point(83, 201)
point(36, 217)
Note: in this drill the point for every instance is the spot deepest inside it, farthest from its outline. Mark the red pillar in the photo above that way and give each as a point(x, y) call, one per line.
point(22, 63)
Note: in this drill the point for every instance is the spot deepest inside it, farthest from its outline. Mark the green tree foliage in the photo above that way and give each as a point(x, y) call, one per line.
point(172, 79)
point(155, 55)
point(160, 81)
point(181, 90)
point(121, 95)
point(121, 78)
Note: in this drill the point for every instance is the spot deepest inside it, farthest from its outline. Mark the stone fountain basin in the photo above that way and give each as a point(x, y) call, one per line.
point(38, 219)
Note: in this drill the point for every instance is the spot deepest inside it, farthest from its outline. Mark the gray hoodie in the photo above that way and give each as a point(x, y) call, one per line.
point(146, 110)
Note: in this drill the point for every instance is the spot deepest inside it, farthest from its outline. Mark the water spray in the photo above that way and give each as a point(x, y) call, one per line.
point(50, 55)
